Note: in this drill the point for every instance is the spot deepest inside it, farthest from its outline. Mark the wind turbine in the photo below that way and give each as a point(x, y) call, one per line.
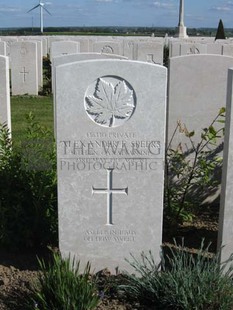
point(42, 7)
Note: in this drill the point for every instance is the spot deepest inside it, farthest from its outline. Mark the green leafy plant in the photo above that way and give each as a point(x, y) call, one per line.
point(186, 282)
point(62, 286)
point(28, 189)
point(47, 81)
point(191, 172)
point(165, 56)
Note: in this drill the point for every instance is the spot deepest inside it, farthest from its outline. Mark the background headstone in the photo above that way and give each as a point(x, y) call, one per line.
point(5, 109)
point(193, 48)
point(64, 48)
point(24, 68)
point(107, 47)
point(150, 52)
point(3, 48)
point(197, 90)
point(214, 48)
point(111, 138)
point(225, 232)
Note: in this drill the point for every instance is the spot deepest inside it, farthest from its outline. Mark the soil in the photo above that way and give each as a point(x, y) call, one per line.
point(18, 271)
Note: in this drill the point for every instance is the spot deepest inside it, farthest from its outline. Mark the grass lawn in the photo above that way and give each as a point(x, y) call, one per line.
point(41, 107)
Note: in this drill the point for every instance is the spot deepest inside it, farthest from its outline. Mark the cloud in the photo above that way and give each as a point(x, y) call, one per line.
point(163, 5)
point(221, 8)
point(104, 0)
point(10, 10)
point(227, 6)
point(195, 17)
point(169, 5)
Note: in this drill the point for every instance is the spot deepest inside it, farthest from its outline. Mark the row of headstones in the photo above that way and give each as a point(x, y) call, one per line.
point(110, 131)
point(26, 59)
point(191, 79)
point(217, 48)
point(134, 49)
point(110, 124)
point(26, 56)
point(90, 44)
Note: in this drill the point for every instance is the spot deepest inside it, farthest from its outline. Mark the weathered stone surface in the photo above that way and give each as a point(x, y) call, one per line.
point(110, 141)
point(24, 68)
point(5, 109)
point(225, 234)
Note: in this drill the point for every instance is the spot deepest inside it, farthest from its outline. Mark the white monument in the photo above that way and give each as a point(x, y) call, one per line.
point(182, 33)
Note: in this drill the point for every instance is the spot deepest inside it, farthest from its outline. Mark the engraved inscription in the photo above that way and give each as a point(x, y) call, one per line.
point(150, 58)
point(193, 50)
point(112, 235)
point(110, 101)
point(107, 49)
point(23, 51)
point(109, 191)
point(24, 72)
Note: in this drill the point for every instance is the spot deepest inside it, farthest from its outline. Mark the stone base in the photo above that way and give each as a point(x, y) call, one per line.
point(182, 32)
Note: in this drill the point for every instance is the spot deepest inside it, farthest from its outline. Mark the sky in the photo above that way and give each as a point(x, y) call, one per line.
point(148, 13)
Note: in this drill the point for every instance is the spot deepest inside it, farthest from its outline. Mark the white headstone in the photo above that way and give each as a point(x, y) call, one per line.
point(215, 48)
point(5, 109)
point(40, 63)
point(24, 68)
point(197, 90)
point(174, 49)
point(130, 49)
point(65, 59)
point(150, 52)
point(3, 48)
point(225, 232)
point(9, 41)
point(193, 48)
point(64, 48)
point(84, 44)
point(227, 50)
point(107, 47)
point(111, 139)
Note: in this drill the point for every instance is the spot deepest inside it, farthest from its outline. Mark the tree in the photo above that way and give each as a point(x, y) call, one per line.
point(220, 35)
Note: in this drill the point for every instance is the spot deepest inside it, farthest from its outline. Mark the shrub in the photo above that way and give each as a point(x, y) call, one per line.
point(187, 282)
point(28, 189)
point(61, 286)
point(191, 172)
point(47, 81)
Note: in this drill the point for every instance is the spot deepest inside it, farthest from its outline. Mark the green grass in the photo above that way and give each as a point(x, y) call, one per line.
point(41, 107)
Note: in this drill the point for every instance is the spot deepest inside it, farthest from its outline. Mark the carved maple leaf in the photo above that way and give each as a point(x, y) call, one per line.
point(110, 102)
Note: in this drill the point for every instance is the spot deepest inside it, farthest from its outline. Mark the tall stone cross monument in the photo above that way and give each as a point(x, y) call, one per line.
point(182, 33)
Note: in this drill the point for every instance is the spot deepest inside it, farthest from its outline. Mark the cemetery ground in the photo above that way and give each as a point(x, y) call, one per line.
point(19, 267)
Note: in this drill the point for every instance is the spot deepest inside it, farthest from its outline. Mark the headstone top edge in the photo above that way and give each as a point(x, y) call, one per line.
point(133, 62)
point(201, 55)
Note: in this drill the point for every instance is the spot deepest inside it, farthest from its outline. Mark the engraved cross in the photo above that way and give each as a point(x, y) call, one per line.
point(109, 191)
point(24, 72)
